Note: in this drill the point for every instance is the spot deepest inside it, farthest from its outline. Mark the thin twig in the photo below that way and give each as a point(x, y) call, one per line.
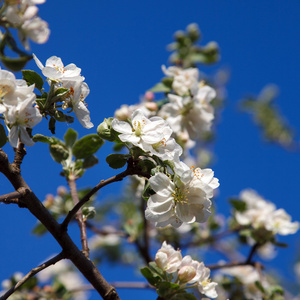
point(96, 230)
point(34, 271)
point(132, 169)
point(14, 197)
point(252, 252)
point(118, 285)
point(20, 152)
point(84, 241)
point(228, 265)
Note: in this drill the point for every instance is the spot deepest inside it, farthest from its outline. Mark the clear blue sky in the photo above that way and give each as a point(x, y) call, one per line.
point(120, 47)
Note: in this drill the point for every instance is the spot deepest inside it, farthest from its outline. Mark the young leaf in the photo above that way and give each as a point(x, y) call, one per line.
point(87, 146)
point(58, 152)
point(153, 279)
point(90, 161)
point(32, 77)
point(166, 288)
point(117, 161)
point(160, 87)
point(42, 138)
point(70, 137)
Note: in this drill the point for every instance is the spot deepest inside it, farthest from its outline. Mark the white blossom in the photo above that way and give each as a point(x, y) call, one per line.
point(75, 99)
point(167, 258)
point(186, 199)
point(55, 69)
point(184, 79)
point(194, 115)
point(263, 214)
point(20, 116)
point(149, 134)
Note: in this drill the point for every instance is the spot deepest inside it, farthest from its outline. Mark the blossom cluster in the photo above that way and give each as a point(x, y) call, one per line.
point(68, 77)
point(23, 15)
point(181, 197)
point(18, 106)
point(260, 213)
point(189, 272)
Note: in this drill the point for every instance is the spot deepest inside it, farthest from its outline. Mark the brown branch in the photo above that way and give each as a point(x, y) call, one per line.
point(84, 241)
point(228, 265)
point(132, 169)
point(119, 285)
point(35, 206)
point(33, 272)
point(20, 152)
point(14, 197)
point(144, 248)
point(96, 230)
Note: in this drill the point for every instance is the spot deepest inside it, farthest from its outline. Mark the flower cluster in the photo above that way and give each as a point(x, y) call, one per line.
point(181, 197)
point(260, 213)
point(68, 77)
point(188, 273)
point(18, 106)
point(23, 15)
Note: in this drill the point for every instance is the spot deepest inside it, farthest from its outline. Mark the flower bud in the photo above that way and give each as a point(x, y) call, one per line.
point(186, 273)
point(105, 130)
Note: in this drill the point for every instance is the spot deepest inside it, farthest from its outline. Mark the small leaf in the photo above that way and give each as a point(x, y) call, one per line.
point(42, 138)
point(166, 288)
point(88, 212)
point(184, 296)
point(3, 137)
point(153, 266)
point(153, 279)
point(87, 146)
point(33, 78)
point(160, 87)
point(239, 205)
point(90, 161)
point(58, 152)
point(117, 161)
point(39, 229)
point(70, 137)
point(15, 64)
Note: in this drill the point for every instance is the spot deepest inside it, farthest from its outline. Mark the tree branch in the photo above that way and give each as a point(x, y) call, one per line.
point(20, 152)
point(33, 272)
point(84, 241)
point(14, 197)
point(132, 169)
point(35, 206)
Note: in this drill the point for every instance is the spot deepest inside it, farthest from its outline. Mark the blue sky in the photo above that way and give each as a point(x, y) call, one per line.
point(120, 47)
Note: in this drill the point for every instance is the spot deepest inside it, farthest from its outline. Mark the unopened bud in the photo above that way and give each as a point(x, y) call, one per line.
point(149, 96)
point(105, 130)
point(186, 273)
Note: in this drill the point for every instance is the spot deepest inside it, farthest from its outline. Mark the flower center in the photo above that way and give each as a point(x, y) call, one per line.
point(180, 195)
point(4, 89)
point(138, 127)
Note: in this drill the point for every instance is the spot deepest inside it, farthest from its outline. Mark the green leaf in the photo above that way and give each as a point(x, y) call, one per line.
point(87, 146)
point(70, 137)
point(52, 122)
point(239, 205)
point(117, 161)
point(153, 279)
point(58, 152)
point(3, 137)
point(42, 138)
point(166, 288)
point(153, 266)
point(33, 78)
point(39, 229)
point(160, 87)
point(61, 92)
point(184, 296)
point(15, 64)
point(279, 244)
point(90, 161)
point(88, 212)
point(259, 286)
